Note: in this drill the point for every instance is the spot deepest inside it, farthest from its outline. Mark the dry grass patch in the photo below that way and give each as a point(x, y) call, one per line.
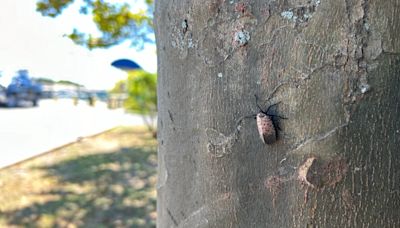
point(102, 181)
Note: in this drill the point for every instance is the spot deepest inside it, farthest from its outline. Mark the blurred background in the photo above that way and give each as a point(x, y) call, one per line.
point(77, 113)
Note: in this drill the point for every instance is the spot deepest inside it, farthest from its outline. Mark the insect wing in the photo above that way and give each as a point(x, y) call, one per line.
point(266, 128)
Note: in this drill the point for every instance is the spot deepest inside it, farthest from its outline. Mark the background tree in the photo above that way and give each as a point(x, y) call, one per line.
point(333, 65)
point(140, 86)
point(116, 22)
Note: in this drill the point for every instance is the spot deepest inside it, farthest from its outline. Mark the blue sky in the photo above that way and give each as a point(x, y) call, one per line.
point(36, 43)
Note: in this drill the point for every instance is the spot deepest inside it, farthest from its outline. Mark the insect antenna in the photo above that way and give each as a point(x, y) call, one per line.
point(258, 105)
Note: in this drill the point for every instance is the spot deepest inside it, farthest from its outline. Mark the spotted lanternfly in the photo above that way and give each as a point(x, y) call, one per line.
point(267, 124)
point(266, 128)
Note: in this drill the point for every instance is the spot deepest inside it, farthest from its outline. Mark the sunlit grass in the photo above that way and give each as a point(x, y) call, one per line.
point(103, 181)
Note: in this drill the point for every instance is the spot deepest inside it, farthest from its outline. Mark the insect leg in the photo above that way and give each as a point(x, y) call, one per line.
point(245, 117)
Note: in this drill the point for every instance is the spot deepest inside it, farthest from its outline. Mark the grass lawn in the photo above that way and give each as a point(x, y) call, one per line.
point(103, 181)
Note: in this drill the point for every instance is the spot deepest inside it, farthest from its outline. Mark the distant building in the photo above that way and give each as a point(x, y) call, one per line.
point(60, 90)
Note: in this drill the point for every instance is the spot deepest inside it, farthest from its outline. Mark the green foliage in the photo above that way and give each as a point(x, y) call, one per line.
point(65, 82)
point(51, 82)
point(45, 81)
point(52, 8)
point(141, 87)
point(119, 87)
point(116, 22)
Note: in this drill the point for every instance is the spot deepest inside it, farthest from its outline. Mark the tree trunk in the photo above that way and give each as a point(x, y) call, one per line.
point(335, 67)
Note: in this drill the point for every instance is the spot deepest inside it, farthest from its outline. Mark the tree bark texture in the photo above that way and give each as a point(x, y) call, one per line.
point(335, 67)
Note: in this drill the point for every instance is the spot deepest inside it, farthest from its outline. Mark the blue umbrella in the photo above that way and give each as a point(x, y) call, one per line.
point(126, 65)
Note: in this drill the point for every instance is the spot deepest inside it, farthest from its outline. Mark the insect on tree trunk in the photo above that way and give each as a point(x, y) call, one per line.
point(335, 68)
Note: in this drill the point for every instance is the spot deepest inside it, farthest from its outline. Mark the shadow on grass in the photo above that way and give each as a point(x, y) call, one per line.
point(101, 190)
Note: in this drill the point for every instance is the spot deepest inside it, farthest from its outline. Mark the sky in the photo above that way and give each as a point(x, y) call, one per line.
point(36, 43)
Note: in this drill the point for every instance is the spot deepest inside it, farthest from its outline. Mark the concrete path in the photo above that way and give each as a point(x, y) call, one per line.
point(26, 132)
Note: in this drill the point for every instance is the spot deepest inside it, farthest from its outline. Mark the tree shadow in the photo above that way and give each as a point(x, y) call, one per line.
point(114, 189)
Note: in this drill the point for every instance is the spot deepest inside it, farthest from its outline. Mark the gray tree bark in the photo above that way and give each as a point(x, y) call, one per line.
point(335, 67)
